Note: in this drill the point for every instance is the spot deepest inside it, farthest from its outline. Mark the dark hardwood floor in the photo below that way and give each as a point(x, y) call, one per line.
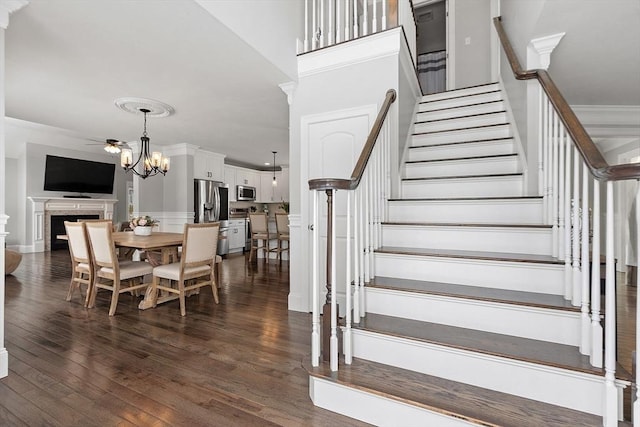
point(236, 363)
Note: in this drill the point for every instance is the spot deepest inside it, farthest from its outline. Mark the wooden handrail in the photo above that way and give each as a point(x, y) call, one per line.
point(358, 170)
point(590, 153)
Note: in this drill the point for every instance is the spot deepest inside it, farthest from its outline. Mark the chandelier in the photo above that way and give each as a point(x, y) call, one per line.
point(151, 164)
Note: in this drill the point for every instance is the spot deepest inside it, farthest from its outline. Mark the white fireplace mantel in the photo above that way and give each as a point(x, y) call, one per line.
point(43, 207)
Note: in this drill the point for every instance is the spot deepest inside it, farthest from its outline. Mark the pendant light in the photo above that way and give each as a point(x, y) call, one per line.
point(152, 164)
point(275, 181)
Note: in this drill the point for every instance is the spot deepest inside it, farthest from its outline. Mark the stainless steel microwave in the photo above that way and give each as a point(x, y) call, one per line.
point(244, 192)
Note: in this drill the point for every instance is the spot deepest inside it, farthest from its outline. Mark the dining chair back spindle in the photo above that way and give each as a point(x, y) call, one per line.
point(109, 269)
point(196, 266)
point(282, 230)
point(81, 264)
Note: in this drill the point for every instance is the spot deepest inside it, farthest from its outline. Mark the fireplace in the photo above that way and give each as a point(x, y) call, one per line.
point(57, 228)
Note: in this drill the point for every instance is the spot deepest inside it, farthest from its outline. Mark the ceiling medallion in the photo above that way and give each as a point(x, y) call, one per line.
point(138, 105)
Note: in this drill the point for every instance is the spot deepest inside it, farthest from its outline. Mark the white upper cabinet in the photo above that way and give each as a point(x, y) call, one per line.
point(248, 177)
point(208, 165)
point(274, 194)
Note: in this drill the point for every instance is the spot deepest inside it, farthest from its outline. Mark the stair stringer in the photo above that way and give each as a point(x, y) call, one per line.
point(576, 390)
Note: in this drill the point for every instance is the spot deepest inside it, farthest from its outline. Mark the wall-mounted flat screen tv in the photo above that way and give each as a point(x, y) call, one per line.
point(78, 176)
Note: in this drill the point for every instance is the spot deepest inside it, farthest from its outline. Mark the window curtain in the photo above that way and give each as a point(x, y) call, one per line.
point(432, 71)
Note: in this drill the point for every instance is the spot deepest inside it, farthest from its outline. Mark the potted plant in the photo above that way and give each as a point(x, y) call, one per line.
point(284, 206)
point(142, 225)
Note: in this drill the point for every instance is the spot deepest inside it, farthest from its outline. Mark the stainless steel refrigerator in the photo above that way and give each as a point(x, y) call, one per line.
point(211, 199)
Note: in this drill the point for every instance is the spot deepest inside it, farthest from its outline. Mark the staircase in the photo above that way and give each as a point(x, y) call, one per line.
point(466, 321)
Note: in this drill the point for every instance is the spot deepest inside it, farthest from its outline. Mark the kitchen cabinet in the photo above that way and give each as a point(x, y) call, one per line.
point(236, 235)
point(230, 180)
point(270, 194)
point(208, 165)
point(248, 177)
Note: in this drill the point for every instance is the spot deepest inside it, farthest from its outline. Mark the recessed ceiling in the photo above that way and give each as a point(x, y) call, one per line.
point(68, 60)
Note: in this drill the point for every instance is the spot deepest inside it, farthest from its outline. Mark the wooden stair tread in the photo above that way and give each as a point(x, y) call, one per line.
point(454, 253)
point(452, 159)
point(489, 343)
point(467, 224)
point(491, 175)
point(458, 129)
point(460, 142)
point(530, 299)
point(475, 404)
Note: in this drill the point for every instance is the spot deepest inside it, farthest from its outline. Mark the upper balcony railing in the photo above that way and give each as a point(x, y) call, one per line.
point(329, 22)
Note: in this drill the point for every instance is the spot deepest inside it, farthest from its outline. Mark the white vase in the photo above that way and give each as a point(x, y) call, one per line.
point(142, 231)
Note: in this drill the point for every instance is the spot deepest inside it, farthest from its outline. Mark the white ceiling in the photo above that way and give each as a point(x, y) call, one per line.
point(68, 60)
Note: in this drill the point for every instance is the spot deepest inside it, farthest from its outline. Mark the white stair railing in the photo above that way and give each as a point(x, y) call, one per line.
point(367, 195)
point(328, 22)
point(566, 180)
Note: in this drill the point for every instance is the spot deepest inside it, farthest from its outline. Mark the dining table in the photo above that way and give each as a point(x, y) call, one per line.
point(165, 242)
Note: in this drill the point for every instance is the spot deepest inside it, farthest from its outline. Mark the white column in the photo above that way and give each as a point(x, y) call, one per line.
point(6, 8)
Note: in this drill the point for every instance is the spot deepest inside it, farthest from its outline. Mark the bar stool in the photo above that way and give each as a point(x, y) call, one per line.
point(282, 230)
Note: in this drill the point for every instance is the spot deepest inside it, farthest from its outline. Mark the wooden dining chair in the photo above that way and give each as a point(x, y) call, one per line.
point(282, 232)
point(81, 264)
point(196, 264)
point(259, 233)
point(111, 274)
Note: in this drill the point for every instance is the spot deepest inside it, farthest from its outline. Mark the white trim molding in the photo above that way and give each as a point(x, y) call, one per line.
point(539, 50)
point(289, 88)
point(7, 7)
point(180, 150)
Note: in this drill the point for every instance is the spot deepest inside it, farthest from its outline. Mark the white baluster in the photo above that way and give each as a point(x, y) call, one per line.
point(331, 30)
point(610, 415)
point(315, 316)
point(314, 38)
point(374, 20)
point(365, 17)
point(554, 184)
point(346, 20)
point(333, 340)
point(636, 398)
point(321, 28)
point(306, 25)
point(338, 25)
point(355, 19)
point(348, 357)
point(384, 14)
point(372, 197)
point(541, 98)
point(561, 195)
point(356, 255)
point(361, 248)
point(585, 342)
point(547, 166)
point(568, 272)
point(549, 163)
point(596, 327)
point(575, 236)
point(365, 225)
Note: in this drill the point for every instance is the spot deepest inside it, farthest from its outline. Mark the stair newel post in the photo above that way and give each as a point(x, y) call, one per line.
point(330, 308)
point(346, 339)
point(561, 195)
point(596, 326)
point(575, 235)
point(554, 185)
point(315, 292)
point(568, 272)
point(541, 101)
point(356, 255)
point(306, 25)
point(585, 343)
point(610, 391)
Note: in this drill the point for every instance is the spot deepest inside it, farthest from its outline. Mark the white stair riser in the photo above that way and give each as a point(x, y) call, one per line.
point(460, 92)
point(555, 326)
point(491, 132)
point(516, 276)
point(373, 408)
point(463, 122)
point(518, 211)
point(467, 110)
point(462, 167)
point(464, 187)
point(492, 239)
point(579, 391)
point(450, 151)
point(460, 101)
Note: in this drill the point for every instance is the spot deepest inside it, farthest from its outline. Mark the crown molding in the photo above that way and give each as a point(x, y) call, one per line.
point(289, 88)
point(7, 7)
point(540, 49)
